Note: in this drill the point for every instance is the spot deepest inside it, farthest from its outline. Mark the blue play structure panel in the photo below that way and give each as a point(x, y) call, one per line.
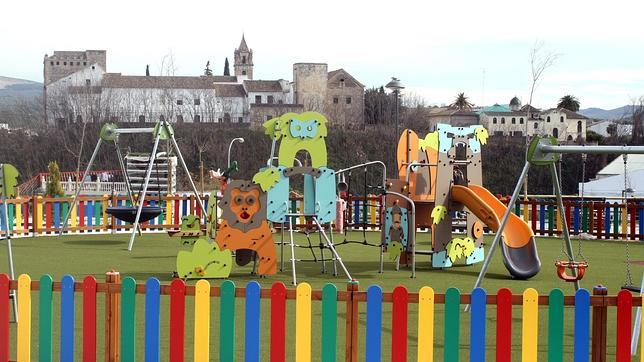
point(441, 260)
point(445, 141)
point(325, 195)
point(277, 198)
point(309, 194)
point(404, 223)
point(477, 256)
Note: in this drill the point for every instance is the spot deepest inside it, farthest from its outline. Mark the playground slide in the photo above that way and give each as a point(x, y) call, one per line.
point(518, 244)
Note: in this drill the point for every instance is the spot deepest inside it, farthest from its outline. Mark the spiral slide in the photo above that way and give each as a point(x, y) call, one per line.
point(518, 243)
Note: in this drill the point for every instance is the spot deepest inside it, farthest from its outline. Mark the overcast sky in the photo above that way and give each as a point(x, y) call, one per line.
point(436, 48)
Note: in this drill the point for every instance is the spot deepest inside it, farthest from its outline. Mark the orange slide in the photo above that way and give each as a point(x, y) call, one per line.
point(518, 244)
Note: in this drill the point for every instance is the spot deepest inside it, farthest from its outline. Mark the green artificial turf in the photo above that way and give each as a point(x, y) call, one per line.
point(154, 256)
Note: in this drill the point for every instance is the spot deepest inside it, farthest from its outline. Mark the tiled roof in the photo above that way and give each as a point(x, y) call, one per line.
point(333, 73)
point(263, 85)
point(229, 90)
point(569, 114)
point(116, 80)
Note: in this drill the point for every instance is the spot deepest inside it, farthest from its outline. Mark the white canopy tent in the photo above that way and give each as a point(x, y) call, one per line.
point(613, 186)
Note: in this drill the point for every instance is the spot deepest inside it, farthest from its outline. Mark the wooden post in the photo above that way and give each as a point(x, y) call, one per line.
point(599, 327)
point(351, 353)
point(112, 313)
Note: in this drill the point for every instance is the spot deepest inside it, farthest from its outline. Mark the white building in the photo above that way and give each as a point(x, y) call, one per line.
point(561, 123)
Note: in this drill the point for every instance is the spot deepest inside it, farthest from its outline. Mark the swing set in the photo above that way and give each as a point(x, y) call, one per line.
point(138, 211)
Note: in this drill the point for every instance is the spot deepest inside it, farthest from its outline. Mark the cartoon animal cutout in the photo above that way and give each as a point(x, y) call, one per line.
point(189, 231)
point(204, 261)
point(244, 227)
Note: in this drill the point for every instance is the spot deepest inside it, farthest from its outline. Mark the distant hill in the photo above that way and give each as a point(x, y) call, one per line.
point(610, 114)
point(12, 89)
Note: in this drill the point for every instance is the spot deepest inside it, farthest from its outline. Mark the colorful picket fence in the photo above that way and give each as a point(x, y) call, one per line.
point(32, 216)
point(121, 333)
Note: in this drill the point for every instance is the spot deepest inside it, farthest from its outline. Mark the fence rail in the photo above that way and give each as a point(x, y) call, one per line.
point(121, 330)
point(36, 215)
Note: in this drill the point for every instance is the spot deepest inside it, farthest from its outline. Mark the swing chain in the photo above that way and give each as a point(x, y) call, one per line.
point(583, 202)
point(629, 277)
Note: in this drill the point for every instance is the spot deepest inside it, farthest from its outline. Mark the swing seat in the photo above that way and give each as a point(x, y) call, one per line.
point(579, 266)
point(128, 213)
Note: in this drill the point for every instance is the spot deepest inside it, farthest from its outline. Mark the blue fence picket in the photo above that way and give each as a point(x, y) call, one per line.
point(89, 212)
point(575, 219)
point(67, 318)
point(640, 215)
point(542, 217)
point(374, 324)
point(607, 221)
point(582, 325)
point(56, 215)
point(252, 338)
point(477, 326)
point(152, 315)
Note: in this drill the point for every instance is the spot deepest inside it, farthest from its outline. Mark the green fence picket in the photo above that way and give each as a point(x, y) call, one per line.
point(227, 322)
point(555, 325)
point(128, 320)
point(45, 318)
point(329, 322)
point(452, 324)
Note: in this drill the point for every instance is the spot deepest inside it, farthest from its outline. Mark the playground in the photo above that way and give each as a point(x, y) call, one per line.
point(404, 269)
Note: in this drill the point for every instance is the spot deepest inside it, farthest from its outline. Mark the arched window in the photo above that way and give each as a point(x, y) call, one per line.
point(548, 119)
point(578, 126)
point(494, 120)
point(243, 72)
point(569, 138)
point(244, 59)
point(521, 120)
point(502, 120)
point(514, 120)
point(561, 119)
point(536, 125)
point(555, 133)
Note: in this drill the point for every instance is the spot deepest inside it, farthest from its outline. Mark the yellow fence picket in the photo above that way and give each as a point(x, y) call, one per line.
point(530, 325)
point(24, 318)
point(426, 324)
point(202, 321)
point(303, 323)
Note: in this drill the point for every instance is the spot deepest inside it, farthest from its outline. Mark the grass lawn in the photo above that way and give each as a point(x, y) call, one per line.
point(154, 256)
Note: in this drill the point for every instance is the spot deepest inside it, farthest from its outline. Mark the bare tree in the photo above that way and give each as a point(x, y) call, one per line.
point(637, 117)
point(539, 62)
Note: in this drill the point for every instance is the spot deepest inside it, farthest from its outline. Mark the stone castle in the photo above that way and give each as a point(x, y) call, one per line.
point(78, 88)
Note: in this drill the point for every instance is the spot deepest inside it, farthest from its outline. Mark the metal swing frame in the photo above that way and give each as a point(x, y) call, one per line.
point(110, 132)
point(544, 151)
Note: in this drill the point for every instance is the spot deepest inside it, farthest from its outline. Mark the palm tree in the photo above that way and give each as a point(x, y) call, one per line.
point(461, 102)
point(569, 102)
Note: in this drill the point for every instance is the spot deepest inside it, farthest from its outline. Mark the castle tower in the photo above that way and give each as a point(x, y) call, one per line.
point(244, 60)
point(310, 83)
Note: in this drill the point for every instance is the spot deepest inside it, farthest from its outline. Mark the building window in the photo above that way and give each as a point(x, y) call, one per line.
point(93, 67)
point(269, 99)
point(342, 83)
point(84, 63)
point(141, 119)
point(494, 120)
point(88, 82)
point(180, 102)
point(521, 120)
point(197, 101)
point(502, 120)
point(258, 99)
point(280, 102)
point(179, 118)
point(569, 138)
point(579, 126)
point(517, 133)
point(240, 119)
point(348, 100)
point(51, 63)
point(197, 118)
point(555, 133)
point(561, 119)
point(536, 125)
point(514, 120)
point(548, 119)
point(226, 117)
point(268, 116)
point(244, 59)
point(220, 119)
point(335, 100)
point(57, 63)
point(243, 72)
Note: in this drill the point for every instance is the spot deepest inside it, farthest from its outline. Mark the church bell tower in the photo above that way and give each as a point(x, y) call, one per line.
point(244, 60)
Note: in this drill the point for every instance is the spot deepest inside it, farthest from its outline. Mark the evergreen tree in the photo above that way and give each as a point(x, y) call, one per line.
point(147, 70)
point(54, 188)
point(226, 67)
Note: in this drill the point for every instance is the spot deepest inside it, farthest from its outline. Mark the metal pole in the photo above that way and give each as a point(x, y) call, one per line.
point(7, 236)
point(145, 190)
point(384, 169)
point(230, 146)
point(499, 233)
point(292, 245)
point(133, 130)
point(397, 132)
point(126, 177)
point(80, 186)
point(332, 247)
point(591, 149)
point(564, 222)
point(638, 322)
point(185, 169)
